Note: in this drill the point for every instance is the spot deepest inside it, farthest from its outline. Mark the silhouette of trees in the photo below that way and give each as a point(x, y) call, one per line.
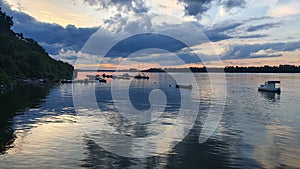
point(264, 69)
point(24, 58)
point(234, 69)
point(6, 22)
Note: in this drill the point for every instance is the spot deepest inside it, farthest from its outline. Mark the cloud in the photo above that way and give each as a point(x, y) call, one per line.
point(68, 56)
point(260, 18)
point(218, 32)
point(64, 43)
point(265, 53)
point(216, 36)
point(191, 7)
point(198, 7)
point(235, 52)
point(140, 42)
point(119, 23)
point(52, 37)
point(253, 36)
point(236, 29)
point(137, 6)
point(226, 26)
point(229, 4)
point(259, 50)
point(262, 27)
point(145, 41)
point(286, 8)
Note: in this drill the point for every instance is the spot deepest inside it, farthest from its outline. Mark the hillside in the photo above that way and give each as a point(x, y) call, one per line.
point(22, 58)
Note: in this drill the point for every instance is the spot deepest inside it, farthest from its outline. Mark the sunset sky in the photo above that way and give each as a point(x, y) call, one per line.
point(252, 32)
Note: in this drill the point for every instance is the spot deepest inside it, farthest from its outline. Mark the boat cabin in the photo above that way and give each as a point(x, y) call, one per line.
point(272, 86)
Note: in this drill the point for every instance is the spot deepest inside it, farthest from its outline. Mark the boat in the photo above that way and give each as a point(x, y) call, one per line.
point(125, 76)
point(99, 79)
point(270, 86)
point(141, 76)
point(107, 76)
point(94, 78)
point(184, 86)
point(66, 81)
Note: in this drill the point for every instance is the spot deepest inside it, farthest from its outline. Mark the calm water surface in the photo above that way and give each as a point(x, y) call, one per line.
point(39, 127)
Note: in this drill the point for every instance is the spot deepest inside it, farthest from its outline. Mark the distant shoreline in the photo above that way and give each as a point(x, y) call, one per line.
point(228, 69)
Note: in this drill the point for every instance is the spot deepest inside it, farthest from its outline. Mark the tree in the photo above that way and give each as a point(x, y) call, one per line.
point(24, 58)
point(6, 22)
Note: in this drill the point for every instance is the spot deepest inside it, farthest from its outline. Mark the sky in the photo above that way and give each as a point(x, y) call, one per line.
point(223, 32)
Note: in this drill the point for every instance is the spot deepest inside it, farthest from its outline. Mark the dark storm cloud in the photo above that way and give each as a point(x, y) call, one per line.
point(218, 32)
point(235, 29)
point(52, 37)
point(195, 7)
point(137, 6)
point(198, 7)
point(145, 41)
point(246, 51)
point(263, 27)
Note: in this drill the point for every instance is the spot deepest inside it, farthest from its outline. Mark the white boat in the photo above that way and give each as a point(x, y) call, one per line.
point(125, 76)
point(270, 86)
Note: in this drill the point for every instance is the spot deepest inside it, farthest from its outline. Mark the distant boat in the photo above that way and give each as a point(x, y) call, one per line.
point(270, 86)
point(141, 76)
point(66, 81)
point(125, 76)
point(94, 78)
point(100, 79)
point(107, 76)
point(184, 86)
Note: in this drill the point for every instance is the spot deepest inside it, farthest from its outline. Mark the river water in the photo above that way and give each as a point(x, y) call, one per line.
point(40, 128)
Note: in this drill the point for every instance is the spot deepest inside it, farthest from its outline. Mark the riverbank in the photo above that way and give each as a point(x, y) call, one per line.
point(12, 83)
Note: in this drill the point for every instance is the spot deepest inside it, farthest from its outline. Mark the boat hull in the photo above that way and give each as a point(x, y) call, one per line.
point(276, 90)
point(141, 77)
point(184, 87)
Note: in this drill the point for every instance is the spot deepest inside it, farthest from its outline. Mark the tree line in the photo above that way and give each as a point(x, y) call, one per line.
point(233, 69)
point(22, 58)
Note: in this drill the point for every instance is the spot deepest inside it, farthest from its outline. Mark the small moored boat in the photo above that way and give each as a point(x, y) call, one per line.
point(270, 86)
point(141, 76)
point(125, 76)
point(99, 79)
point(66, 81)
point(107, 76)
point(184, 86)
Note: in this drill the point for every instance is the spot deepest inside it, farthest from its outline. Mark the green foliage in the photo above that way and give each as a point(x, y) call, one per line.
point(24, 58)
point(4, 79)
